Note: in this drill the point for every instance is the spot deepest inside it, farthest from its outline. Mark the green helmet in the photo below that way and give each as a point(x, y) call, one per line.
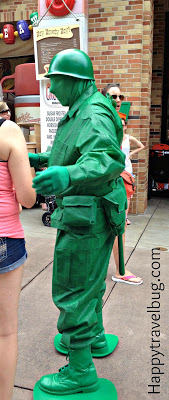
point(71, 62)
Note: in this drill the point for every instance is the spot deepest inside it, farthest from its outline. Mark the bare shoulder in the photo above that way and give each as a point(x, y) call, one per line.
point(136, 142)
point(131, 138)
point(11, 137)
point(10, 128)
point(11, 134)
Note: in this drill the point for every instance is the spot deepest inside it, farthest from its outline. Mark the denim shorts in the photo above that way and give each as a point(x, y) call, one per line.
point(12, 253)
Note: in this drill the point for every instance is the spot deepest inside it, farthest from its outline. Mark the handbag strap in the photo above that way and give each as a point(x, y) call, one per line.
point(128, 178)
point(2, 120)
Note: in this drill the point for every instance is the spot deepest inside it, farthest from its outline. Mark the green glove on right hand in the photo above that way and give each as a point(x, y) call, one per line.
point(52, 181)
point(34, 159)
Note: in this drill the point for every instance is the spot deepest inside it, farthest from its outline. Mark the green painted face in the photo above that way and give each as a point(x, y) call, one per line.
point(61, 87)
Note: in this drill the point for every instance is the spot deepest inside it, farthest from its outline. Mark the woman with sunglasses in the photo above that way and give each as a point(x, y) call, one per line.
point(114, 91)
point(14, 172)
point(5, 112)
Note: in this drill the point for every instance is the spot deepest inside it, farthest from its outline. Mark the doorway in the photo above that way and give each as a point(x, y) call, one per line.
point(165, 99)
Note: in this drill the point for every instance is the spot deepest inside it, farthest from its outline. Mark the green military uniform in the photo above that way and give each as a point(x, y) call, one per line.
point(90, 213)
point(86, 143)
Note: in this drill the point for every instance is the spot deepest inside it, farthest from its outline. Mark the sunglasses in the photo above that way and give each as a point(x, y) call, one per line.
point(5, 111)
point(121, 97)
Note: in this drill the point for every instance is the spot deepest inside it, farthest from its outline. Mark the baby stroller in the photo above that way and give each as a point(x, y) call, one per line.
point(51, 205)
point(158, 168)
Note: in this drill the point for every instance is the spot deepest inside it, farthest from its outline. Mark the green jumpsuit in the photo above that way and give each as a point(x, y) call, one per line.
point(90, 213)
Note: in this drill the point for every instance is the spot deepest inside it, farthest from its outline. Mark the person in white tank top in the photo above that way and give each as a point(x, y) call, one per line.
point(126, 150)
point(128, 141)
point(115, 91)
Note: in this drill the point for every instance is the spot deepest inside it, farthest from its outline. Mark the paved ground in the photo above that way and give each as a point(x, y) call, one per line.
point(142, 335)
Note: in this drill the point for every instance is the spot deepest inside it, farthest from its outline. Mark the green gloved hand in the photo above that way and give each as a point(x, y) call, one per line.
point(51, 181)
point(34, 159)
point(39, 160)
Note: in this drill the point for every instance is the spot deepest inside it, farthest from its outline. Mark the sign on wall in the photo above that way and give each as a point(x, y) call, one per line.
point(51, 112)
point(50, 40)
point(51, 36)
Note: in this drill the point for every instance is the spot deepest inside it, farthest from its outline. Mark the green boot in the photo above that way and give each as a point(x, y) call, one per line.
point(100, 347)
point(78, 376)
point(100, 338)
point(103, 345)
point(99, 342)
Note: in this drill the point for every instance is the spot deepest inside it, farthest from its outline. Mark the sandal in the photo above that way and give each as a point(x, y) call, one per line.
point(128, 279)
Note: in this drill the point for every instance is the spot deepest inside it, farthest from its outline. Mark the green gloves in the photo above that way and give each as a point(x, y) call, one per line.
point(34, 159)
point(51, 181)
point(39, 160)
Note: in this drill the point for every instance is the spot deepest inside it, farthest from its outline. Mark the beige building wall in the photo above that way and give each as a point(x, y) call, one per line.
point(126, 45)
point(17, 10)
point(120, 46)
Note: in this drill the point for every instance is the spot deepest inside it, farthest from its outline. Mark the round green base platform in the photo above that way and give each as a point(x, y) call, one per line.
point(106, 391)
point(112, 341)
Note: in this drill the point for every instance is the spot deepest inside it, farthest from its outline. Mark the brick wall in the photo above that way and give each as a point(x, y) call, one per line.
point(17, 10)
point(120, 46)
point(160, 7)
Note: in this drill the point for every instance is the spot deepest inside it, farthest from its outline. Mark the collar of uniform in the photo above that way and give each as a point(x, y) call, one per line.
point(85, 95)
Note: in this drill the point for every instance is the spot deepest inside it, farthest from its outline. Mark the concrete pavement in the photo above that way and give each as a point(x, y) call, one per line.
point(135, 366)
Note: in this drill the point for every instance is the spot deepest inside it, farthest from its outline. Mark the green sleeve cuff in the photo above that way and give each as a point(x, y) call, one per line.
point(76, 174)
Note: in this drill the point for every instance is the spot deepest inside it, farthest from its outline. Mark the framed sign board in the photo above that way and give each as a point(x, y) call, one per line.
point(49, 41)
point(51, 36)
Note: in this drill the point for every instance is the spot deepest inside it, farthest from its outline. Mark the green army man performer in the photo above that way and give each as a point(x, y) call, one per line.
point(83, 172)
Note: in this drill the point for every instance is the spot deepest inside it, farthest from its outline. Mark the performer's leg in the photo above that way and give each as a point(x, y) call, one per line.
point(100, 338)
point(78, 284)
point(80, 267)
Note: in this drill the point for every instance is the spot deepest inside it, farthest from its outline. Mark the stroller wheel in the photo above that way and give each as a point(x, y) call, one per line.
point(46, 218)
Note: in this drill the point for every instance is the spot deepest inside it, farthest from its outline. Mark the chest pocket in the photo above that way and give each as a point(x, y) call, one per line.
point(58, 153)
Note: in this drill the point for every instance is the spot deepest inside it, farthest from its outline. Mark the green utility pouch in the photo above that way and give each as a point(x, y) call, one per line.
point(79, 211)
point(115, 204)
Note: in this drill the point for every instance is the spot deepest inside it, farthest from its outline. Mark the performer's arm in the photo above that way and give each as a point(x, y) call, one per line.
point(101, 158)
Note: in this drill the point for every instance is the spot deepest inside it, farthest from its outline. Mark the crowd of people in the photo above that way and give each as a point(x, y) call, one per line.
point(90, 152)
